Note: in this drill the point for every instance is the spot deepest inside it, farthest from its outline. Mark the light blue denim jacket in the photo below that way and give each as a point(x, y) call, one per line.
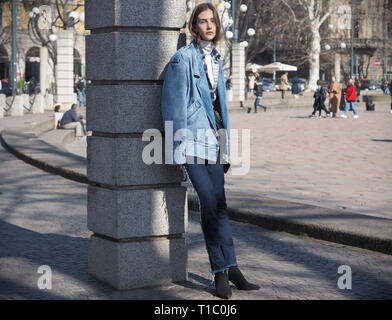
point(186, 101)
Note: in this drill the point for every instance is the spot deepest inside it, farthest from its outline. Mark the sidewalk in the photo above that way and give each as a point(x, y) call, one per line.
point(341, 226)
point(43, 222)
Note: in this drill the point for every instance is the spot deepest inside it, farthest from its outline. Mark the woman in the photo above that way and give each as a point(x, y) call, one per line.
point(335, 94)
point(58, 115)
point(351, 98)
point(284, 83)
point(194, 106)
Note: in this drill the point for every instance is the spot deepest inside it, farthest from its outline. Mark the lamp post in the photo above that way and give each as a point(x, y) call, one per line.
point(45, 29)
point(344, 21)
point(238, 54)
point(352, 42)
point(14, 48)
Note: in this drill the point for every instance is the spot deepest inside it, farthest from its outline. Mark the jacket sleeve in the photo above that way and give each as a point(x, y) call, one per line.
point(174, 103)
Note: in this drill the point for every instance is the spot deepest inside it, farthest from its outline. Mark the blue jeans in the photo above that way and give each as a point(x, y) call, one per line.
point(208, 181)
point(258, 103)
point(347, 107)
point(81, 97)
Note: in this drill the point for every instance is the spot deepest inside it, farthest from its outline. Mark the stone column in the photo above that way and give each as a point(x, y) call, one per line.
point(64, 71)
point(43, 69)
point(338, 61)
point(137, 212)
point(238, 72)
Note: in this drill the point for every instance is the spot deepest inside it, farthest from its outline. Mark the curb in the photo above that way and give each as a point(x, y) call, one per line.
point(253, 217)
point(305, 230)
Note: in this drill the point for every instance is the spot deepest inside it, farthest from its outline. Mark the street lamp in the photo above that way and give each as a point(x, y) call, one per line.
point(237, 46)
point(244, 44)
point(251, 32)
point(44, 21)
point(53, 37)
point(229, 35)
point(243, 8)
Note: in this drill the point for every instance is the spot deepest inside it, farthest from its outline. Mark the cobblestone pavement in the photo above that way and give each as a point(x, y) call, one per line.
point(43, 222)
point(331, 163)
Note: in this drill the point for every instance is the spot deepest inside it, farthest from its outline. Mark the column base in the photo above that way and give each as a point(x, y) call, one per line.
point(138, 263)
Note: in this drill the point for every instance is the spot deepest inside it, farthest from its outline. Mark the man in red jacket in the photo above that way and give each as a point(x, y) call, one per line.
point(351, 98)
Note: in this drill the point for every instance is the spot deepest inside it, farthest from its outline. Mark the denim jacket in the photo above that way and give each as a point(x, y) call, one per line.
point(186, 101)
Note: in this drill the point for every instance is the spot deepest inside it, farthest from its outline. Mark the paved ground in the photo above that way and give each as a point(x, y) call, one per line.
point(43, 222)
point(332, 163)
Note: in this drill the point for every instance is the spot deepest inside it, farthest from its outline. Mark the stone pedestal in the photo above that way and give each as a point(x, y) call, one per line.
point(2, 105)
point(38, 104)
point(25, 101)
point(137, 212)
point(49, 101)
point(17, 106)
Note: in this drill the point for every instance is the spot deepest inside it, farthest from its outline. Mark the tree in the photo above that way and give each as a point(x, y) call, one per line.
point(294, 25)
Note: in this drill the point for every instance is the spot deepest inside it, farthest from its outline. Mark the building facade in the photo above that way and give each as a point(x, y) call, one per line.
point(29, 46)
point(371, 40)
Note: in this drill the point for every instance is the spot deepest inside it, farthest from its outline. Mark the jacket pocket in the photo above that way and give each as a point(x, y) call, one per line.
point(193, 108)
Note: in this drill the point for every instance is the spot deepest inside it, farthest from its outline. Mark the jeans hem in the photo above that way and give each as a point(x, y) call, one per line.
point(224, 269)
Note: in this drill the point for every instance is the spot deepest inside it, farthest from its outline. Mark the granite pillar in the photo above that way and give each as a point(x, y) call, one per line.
point(136, 211)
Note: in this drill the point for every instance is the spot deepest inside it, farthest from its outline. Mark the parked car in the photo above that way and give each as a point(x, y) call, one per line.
point(368, 84)
point(268, 85)
point(6, 88)
point(302, 83)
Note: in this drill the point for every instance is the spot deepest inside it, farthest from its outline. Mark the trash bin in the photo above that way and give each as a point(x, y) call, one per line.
point(369, 103)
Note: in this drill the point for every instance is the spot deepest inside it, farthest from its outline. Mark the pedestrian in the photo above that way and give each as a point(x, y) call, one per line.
point(70, 120)
point(284, 82)
point(390, 92)
point(358, 85)
point(194, 98)
point(258, 90)
point(58, 115)
point(81, 91)
point(351, 98)
point(320, 95)
point(251, 81)
point(229, 82)
point(335, 95)
point(295, 90)
point(343, 101)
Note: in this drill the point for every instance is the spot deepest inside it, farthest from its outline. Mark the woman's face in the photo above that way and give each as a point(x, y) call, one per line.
point(206, 26)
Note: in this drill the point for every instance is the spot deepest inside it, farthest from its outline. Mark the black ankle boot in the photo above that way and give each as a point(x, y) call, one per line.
point(239, 280)
point(222, 286)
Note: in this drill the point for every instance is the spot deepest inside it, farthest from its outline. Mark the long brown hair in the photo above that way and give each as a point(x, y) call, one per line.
point(193, 21)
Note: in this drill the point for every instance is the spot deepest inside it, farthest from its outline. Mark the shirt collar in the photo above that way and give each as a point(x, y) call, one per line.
point(207, 48)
